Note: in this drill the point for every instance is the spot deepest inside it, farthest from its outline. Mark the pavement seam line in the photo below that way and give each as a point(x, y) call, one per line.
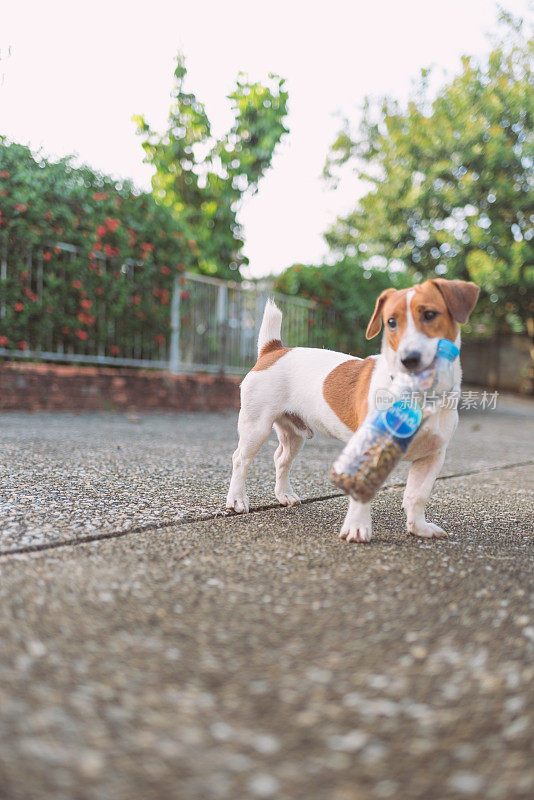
point(95, 537)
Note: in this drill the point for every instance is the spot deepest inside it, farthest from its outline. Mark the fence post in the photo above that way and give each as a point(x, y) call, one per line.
point(3, 279)
point(175, 356)
point(222, 312)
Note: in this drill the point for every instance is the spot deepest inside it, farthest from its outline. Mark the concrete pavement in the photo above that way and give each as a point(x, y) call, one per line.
point(67, 476)
point(258, 656)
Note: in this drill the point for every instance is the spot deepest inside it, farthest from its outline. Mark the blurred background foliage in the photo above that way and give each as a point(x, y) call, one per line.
point(448, 190)
point(450, 182)
point(129, 244)
point(127, 249)
point(350, 289)
point(203, 180)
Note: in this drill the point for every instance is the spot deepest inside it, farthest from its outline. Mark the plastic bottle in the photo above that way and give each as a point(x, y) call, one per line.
point(379, 443)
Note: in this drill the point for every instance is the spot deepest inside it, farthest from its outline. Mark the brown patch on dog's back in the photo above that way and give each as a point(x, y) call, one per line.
point(269, 355)
point(345, 389)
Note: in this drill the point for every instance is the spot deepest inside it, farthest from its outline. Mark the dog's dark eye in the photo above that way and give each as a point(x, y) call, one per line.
point(392, 323)
point(430, 315)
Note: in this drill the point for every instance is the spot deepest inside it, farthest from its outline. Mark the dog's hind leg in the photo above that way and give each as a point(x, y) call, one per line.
point(290, 444)
point(253, 432)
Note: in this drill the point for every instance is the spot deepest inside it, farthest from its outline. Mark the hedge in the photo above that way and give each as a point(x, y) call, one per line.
point(108, 288)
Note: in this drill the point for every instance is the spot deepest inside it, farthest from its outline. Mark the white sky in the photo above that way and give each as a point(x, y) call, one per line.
point(79, 70)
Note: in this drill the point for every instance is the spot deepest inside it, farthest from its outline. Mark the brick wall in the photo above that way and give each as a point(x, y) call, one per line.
point(46, 387)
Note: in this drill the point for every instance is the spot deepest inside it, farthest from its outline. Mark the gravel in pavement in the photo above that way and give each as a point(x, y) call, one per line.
point(64, 476)
point(260, 657)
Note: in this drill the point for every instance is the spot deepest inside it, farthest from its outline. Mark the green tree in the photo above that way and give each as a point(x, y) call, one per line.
point(451, 180)
point(349, 291)
point(204, 180)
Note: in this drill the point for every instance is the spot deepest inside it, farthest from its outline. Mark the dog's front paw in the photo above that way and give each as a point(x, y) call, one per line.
point(357, 527)
point(288, 498)
point(427, 530)
point(238, 503)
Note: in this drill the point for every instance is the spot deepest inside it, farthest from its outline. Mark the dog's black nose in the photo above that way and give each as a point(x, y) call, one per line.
point(411, 360)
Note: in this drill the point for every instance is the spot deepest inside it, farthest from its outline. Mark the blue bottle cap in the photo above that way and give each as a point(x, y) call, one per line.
point(448, 349)
point(402, 420)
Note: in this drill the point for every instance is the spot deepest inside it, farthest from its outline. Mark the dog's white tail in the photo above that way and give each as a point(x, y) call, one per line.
point(271, 325)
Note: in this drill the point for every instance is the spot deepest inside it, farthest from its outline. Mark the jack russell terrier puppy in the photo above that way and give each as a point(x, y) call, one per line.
point(301, 391)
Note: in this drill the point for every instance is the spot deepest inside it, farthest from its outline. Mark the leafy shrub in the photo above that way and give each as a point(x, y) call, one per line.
point(350, 290)
point(111, 293)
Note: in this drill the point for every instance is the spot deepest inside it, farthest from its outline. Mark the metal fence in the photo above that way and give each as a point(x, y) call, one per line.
point(212, 326)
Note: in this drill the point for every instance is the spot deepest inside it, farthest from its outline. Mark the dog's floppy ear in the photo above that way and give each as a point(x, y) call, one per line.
point(376, 320)
point(460, 296)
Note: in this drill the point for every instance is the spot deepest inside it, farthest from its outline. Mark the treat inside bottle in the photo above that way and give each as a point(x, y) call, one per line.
point(375, 449)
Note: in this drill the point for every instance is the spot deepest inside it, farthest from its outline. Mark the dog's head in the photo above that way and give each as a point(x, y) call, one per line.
point(416, 319)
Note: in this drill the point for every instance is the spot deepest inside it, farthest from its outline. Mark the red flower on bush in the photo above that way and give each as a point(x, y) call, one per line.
point(47, 255)
point(81, 334)
point(20, 207)
point(18, 307)
point(97, 246)
point(112, 224)
point(57, 250)
point(184, 294)
point(182, 281)
point(77, 284)
point(99, 290)
point(48, 215)
point(165, 271)
point(4, 174)
point(159, 338)
point(65, 329)
point(3, 341)
point(114, 350)
point(101, 230)
point(136, 299)
point(86, 304)
point(100, 196)
point(86, 319)
point(180, 267)
point(22, 345)
point(30, 295)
